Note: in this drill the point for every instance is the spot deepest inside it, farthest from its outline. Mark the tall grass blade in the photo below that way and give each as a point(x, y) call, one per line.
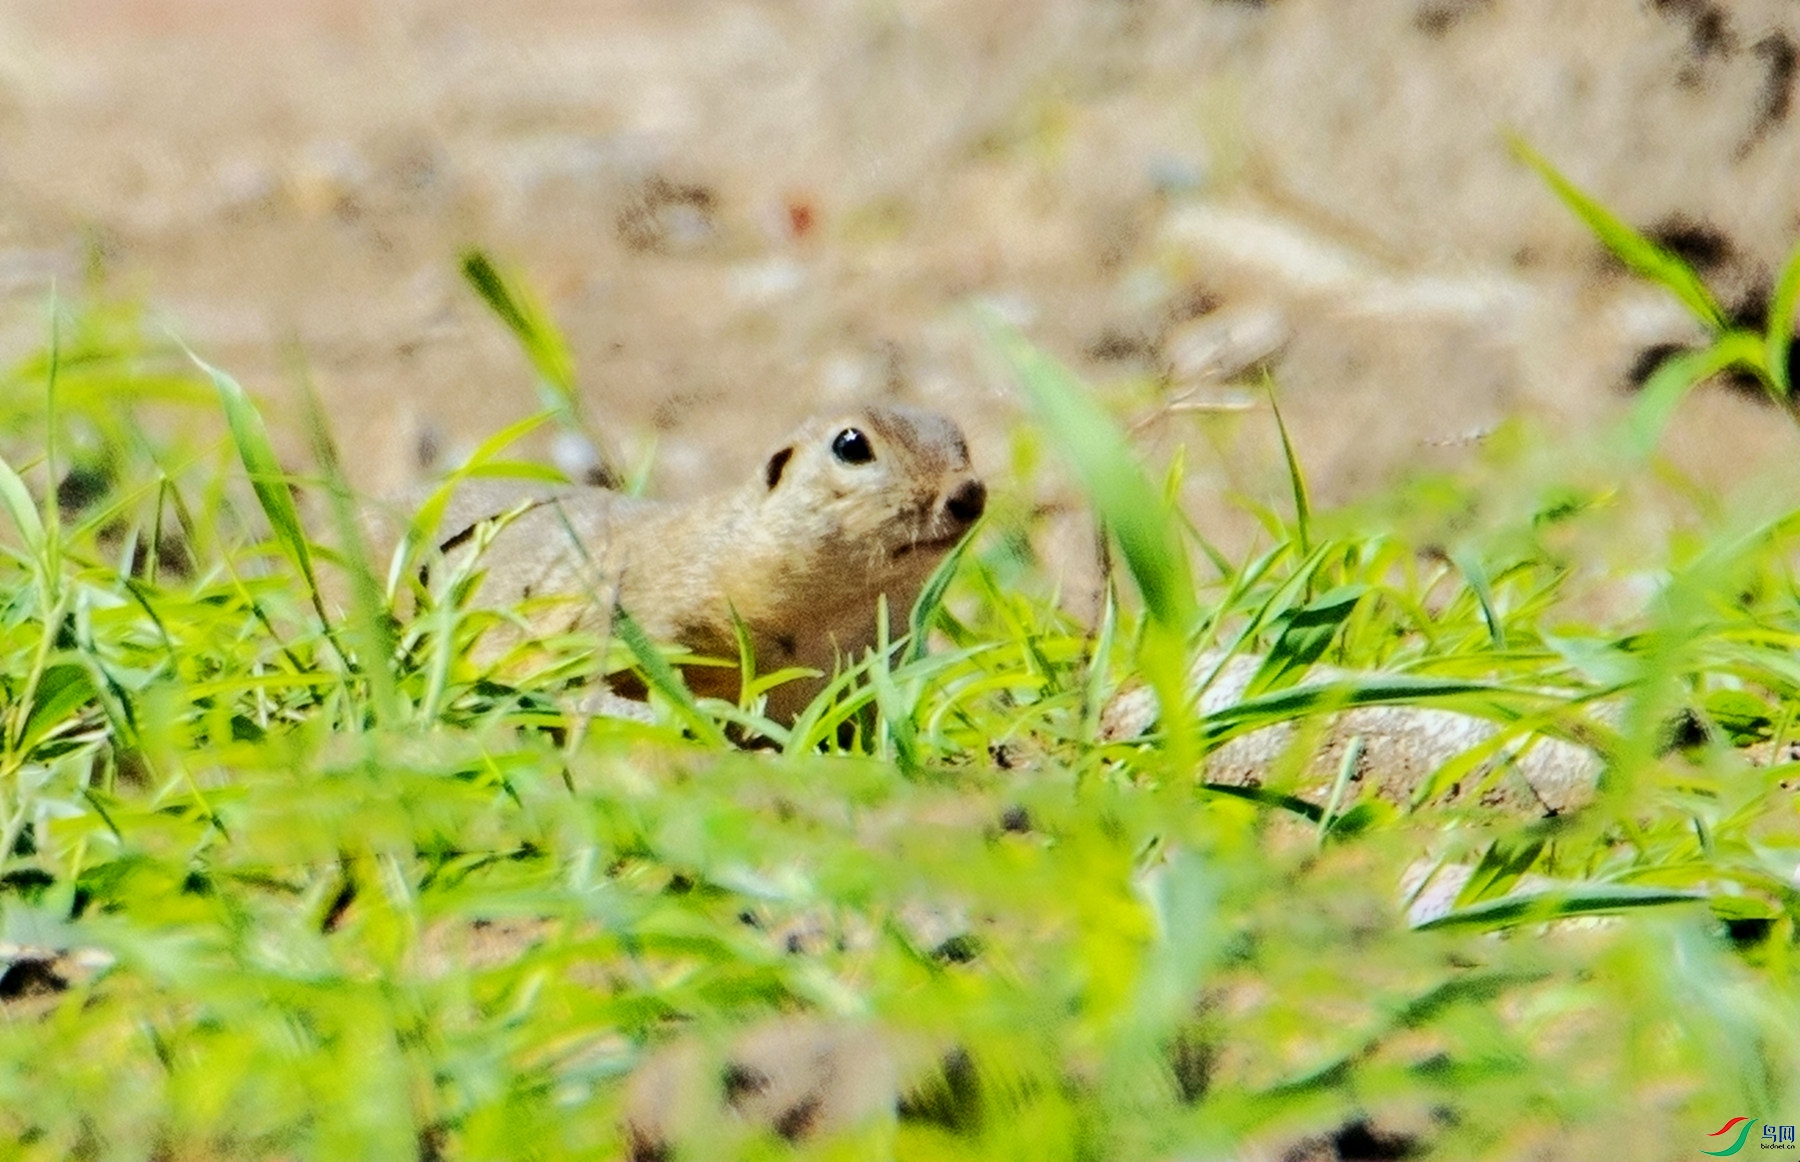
point(1475, 573)
point(1637, 252)
point(370, 627)
point(1094, 689)
point(267, 478)
point(664, 679)
point(1296, 478)
point(544, 347)
point(1122, 495)
point(1127, 504)
point(1502, 866)
point(746, 648)
point(1680, 374)
point(1306, 633)
point(898, 734)
point(1784, 318)
point(931, 597)
point(52, 377)
point(22, 509)
point(1539, 907)
point(63, 688)
point(530, 325)
point(1249, 714)
point(424, 521)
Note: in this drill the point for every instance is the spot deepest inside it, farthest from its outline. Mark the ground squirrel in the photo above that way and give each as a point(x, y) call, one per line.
point(849, 508)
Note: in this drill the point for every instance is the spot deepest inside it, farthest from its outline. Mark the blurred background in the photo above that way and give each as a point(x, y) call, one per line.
point(742, 212)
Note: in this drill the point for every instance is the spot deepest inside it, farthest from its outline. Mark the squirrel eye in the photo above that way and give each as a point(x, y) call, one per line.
point(852, 447)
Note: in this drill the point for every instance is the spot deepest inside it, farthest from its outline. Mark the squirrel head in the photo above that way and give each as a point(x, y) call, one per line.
point(879, 492)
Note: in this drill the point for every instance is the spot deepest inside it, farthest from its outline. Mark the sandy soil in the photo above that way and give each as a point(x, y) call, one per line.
point(742, 211)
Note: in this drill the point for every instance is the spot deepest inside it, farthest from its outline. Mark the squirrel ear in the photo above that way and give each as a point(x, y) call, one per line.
point(777, 465)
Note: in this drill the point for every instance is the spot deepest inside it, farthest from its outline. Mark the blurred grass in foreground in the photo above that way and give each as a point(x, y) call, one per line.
point(294, 890)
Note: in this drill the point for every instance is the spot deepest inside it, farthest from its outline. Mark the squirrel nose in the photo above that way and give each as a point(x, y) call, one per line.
point(967, 502)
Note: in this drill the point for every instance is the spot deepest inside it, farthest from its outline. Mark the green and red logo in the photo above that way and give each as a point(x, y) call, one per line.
point(1743, 1133)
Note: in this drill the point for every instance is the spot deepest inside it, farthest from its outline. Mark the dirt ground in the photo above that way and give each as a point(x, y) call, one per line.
point(741, 212)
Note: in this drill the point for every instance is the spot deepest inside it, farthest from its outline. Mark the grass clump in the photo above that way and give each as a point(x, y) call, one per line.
point(283, 880)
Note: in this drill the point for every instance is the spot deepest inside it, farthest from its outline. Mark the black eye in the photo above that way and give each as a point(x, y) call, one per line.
point(852, 447)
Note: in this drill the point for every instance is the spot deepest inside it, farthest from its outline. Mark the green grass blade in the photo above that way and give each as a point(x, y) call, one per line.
point(1784, 317)
point(1095, 688)
point(1103, 460)
point(1502, 865)
point(1475, 573)
point(423, 522)
point(52, 378)
point(1296, 478)
point(1637, 252)
point(898, 734)
point(251, 437)
point(746, 648)
point(530, 325)
point(22, 509)
point(370, 628)
point(664, 679)
point(1680, 374)
point(63, 689)
point(1329, 697)
point(1127, 504)
point(1306, 633)
point(931, 597)
point(1331, 817)
point(1264, 797)
point(544, 347)
point(1537, 907)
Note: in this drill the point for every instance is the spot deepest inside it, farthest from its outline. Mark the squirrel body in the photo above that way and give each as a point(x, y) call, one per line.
point(852, 507)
